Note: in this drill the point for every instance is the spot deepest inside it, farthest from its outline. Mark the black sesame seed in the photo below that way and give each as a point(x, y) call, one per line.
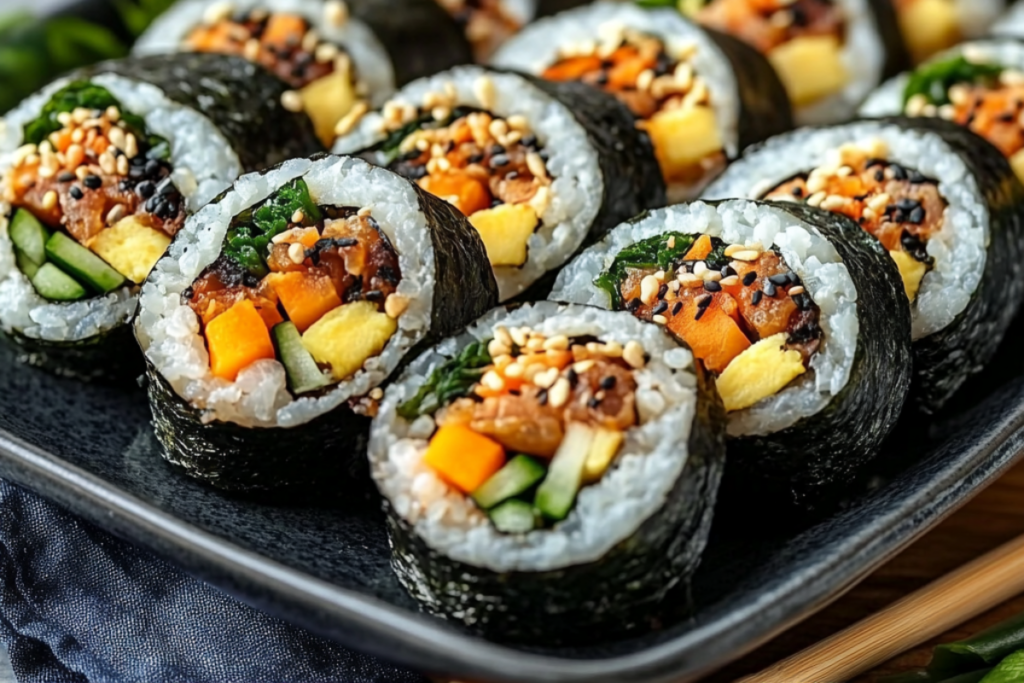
point(601, 78)
point(793, 278)
point(798, 191)
point(93, 182)
point(700, 313)
point(188, 293)
point(608, 382)
point(152, 166)
point(678, 307)
point(917, 216)
point(704, 301)
point(660, 308)
point(474, 158)
point(780, 280)
point(907, 204)
point(633, 305)
point(879, 176)
point(727, 271)
point(65, 177)
point(749, 278)
point(712, 286)
point(874, 161)
point(573, 377)
point(344, 242)
point(769, 288)
point(496, 150)
point(916, 178)
point(898, 172)
point(755, 299)
point(662, 291)
point(374, 295)
point(803, 302)
point(530, 141)
point(542, 397)
point(1008, 117)
point(313, 255)
point(145, 189)
point(594, 402)
point(499, 161)
point(250, 280)
point(76, 192)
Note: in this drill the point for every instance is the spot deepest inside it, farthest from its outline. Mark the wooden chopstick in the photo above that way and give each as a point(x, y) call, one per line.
point(937, 608)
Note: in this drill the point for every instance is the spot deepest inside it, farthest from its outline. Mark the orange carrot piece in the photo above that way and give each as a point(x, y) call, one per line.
point(464, 458)
point(626, 73)
point(572, 69)
point(237, 338)
point(282, 28)
point(466, 193)
point(306, 296)
point(63, 140)
point(216, 38)
point(716, 338)
point(700, 249)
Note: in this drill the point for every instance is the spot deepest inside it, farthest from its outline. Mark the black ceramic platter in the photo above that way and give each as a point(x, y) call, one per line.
point(325, 565)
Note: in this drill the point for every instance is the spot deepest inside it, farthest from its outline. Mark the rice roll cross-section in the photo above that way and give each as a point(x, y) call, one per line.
point(942, 203)
point(798, 314)
point(98, 172)
point(489, 23)
point(334, 56)
point(977, 85)
point(701, 96)
point(930, 26)
point(546, 448)
point(281, 308)
point(539, 168)
point(830, 54)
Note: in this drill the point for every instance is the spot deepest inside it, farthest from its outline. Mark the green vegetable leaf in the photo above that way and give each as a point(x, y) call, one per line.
point(934, 80)
point(653, 252)
point(250, 233)
point(1010, 670)
point(452, 380)
point(983, 650)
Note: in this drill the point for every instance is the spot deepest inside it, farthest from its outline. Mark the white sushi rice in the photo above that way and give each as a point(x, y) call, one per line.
point(578, 185)
point(863, 56)
point(805, 251)
point(959, 249)
point(606, 513)
point(539, 46)
point(169, 330)
point(203, 162)
point(371, 60)
point(888, 99)
point(977, 17)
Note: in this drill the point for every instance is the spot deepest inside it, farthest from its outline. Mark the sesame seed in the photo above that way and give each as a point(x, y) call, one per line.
point(769, 288)
point(395, 305)
point(749, 278)
point(296, 253)
point(796, 291)
point(660, 320)
point(121, 166)
point(335, 12)
point(558, 395)
point(76, 192)
point(749, 255)
point(291, 100)
point(50, 200)
point(93, 182)
point(633, 354)
point(115, 214)
point(755, 299)
point(485, 92)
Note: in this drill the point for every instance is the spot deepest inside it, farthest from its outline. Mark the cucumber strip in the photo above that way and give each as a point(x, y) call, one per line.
point(557, 492)
point(82, 264)
point(515, 478)
point(29, 236)
point(55, 285)
point(514, 517)
point(26, 264)
point(303, 373)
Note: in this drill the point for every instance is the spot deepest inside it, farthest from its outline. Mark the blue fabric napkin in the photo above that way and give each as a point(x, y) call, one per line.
point(79, 606)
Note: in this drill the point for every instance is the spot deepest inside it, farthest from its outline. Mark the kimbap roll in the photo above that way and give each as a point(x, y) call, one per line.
point(700, 96)
point(550, 473)
point(334, 56)
point(798, 314)
point(929, 26)
point(830, 54)
point(98, 172)
point(281, 308)
point(539, 168)
point(976, 85)
point(940, 201)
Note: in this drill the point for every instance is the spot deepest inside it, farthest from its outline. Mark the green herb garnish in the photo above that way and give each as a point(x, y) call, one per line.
point(91, 96)
point(452, 380)
point(934, 80)
point(391, 145)
point(653, 252)
point(249, 236)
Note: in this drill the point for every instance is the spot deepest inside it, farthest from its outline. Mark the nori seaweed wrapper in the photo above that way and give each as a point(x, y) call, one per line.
point(419, 35)
point(242, 99)
point(618, 595)
point(945, 360)
point(897, 57)
point(329, 450)
point(765, 109)
point(831, 448)
point(111, 357)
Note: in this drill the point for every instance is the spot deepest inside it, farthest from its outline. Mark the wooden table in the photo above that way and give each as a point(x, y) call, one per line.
point(993, 518)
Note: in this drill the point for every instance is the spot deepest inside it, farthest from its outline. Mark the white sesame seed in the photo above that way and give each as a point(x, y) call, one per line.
point(559, 343)
point(546, 379)
point(502, 334)
point(107, 163)
point(518, 335)
point(291, 100)
point(122, 166)
point(816, 199)
point(492, 381)
point(49, 200)
point(730, 281)
point(251, 50)
point(115, 214)
point(349, 121)
point(64, 118)
point(700, 268)
point(296, 253)
point(747, 256)
point(485, 92)
point(649, 289)
point(496, 348)
point(218, 12)
point(536, 165)
point(833, 202)
point(335, 12)
point(298, 216)
point(310, 41)
point(796, 291)
point(395, 305)
point(131, 146)
point(660, 320)
point(733, 248)
point(633, 354)
point(558, 395)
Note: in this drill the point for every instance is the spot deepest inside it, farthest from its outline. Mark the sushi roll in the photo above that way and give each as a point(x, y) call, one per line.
point(941, 202)
point(281, 308)
point(98, 172)
point(798, 314)
point(830, 54)
point(930, 26)
point(976, 85)
point(539, 168)
point(550, 473)
point(701, 96)
point(334, 56)
point(1012, 22)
